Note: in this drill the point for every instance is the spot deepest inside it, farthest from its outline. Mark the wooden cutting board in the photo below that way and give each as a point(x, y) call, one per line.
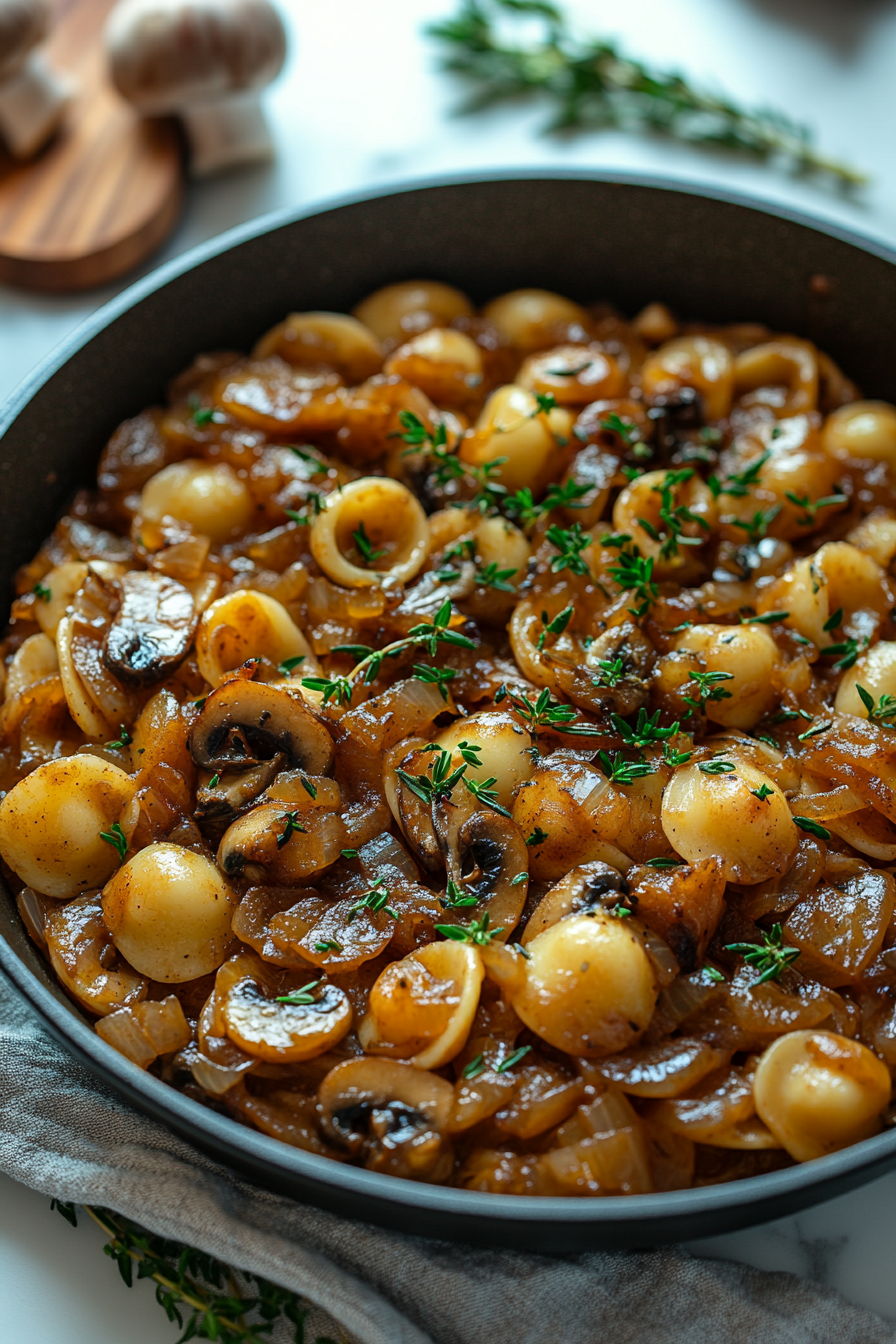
point(105, 192)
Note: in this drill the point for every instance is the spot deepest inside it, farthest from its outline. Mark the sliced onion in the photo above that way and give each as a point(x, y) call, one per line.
point(385, 855)
point(215, 1079)
point(750, 1134)
point(665, 962)
point(664, 1070)
point(124, 1033)
point(33, 909)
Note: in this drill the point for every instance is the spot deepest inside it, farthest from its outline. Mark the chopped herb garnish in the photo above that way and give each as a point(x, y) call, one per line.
point(620, 771)
point(546, 712)
point(214, 781)
point(663, 862)
point(477, 933)
point(435, 676)
point(486, 793)
point(815, 730)
point(438, 782)
point(646, 730)
point(610, 671)
point(427, 636)
point(364, 546)
point(803, 502)
point(374, 900)
point(349, 853)
point(115, 837)
point(770, 957)
point(628, 433)
point(812, 827)
point(708, 688)
point(716, 767)
point(569, 543)
point(833, 621)
point(300, 998)
point(293, 826)
point(474, 1068)
point(673, 517)
point(520, 877)
point(456, 898)
point(309, 788)
point(739, 484)
point(537, 837)
point(556, 626)
point(757, 526)
point(848, 649)
point(762, 793)
point(515, 1058)
point(884, 709)
point(770, 618)
point(124, 738)
point(288, 666)
point(634, 574)
point(493, 577)
point(40, 590)
point(714, 975)
point(328, 945)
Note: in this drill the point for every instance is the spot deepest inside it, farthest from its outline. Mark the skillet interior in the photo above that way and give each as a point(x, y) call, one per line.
point(625, 240)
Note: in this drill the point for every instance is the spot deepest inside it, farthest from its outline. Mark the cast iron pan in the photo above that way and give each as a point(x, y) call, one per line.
point(591, 237)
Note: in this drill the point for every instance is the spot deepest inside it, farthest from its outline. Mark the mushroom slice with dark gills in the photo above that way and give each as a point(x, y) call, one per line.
point(152, 631)
point(390, 1116)
point(486, 858)
point(589, 887)
point(244, 722)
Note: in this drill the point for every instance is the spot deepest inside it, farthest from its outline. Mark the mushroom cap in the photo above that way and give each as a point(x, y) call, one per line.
point(166, 54)
point(23, 23)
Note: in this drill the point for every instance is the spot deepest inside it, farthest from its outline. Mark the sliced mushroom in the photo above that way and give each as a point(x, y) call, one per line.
point(391, 1116)
point(588, 887)
point(589, 688)
point(233, 792)
point(271, 842)
point(285, 1033)
point(487, 857)
point(244, 722)
point(153, 630)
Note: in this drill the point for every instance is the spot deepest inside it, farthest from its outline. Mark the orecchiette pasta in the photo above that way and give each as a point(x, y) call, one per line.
point(461, 743)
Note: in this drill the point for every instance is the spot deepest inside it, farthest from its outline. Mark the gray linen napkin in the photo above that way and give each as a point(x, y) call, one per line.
point(63, 1133)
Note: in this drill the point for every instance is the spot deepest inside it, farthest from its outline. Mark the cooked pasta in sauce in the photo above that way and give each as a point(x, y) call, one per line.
point(461, 743)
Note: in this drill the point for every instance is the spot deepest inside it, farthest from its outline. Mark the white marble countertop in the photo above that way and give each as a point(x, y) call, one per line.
point(361, 104)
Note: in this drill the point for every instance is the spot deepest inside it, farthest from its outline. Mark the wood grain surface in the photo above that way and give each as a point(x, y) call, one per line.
point(107, 189)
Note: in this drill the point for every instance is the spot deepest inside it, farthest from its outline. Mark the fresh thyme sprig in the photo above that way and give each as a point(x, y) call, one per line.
point(673, 517)
point(300, 998)
point(523, 508)
point(478, 932)
point(569, 544)
point(428, 635)
point(292, 827)
point(591, 85)
point(116, 837)
point(883, 711)
point(770, 957)
point(739, 483)
point(804, 502)
point(196, 1291)
point(620, 771)
point(364, 545)
point(546, 712)
point(555, 626)
point(374, 900)
point(456, 898)
point(438, 782)
point(646, 730)
point(757, 526)
point(634, 574)
point(708, 688)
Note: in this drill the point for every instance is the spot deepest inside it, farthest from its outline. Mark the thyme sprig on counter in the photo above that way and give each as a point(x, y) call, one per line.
point(591, 85)
point(198, 1293)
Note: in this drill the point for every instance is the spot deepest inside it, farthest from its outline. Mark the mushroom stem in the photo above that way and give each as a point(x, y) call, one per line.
point(32, 103)
point(224, 132)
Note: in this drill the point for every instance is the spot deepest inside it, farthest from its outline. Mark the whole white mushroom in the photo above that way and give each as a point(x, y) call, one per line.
point(206, 61)
point(32, 98)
